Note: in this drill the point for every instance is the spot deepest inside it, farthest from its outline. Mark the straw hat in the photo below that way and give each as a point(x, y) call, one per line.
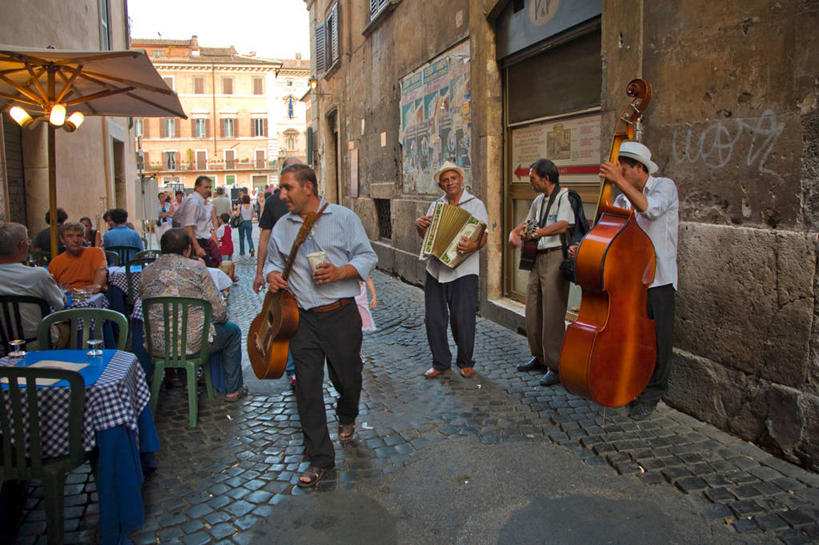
point(449, 165)
point(638, 152)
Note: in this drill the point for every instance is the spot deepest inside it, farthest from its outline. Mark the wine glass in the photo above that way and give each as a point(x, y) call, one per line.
point(16, 351)
point(94, 347)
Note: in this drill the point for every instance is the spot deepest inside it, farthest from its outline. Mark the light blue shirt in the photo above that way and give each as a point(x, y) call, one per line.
point(340, 234)
point(122, 236)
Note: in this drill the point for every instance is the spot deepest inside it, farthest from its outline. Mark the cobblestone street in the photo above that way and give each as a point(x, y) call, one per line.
point(491, 459)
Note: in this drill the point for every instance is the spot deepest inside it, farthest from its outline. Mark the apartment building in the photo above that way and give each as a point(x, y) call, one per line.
point(243, 115)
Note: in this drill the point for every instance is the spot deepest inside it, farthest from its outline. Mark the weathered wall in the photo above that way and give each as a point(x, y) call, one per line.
point(365, 90)
point(733, 120)
point(84, 166)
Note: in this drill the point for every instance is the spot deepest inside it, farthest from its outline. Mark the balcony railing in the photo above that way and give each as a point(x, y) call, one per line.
point(212, 165)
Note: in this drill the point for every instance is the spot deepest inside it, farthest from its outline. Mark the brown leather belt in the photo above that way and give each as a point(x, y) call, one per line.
point(335, 305)
point(547, 250)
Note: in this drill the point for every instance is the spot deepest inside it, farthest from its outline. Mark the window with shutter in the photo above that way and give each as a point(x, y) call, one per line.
point(332, 37)
point(230, 158)
point(105, 25)
point(258, 86)
point(170, 160)
point(146, 163)
point(321, 65)
point(168, 81)
point(163, 128)
point(259, 158)
point(201, 160)
point(227, 86)
point(376, 6)
point(198, 86)
point(146, 124)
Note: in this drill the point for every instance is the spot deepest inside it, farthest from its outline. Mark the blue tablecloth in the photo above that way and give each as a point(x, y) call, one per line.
point(119, 422)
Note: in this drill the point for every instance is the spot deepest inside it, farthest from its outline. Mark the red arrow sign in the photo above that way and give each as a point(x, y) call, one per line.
point(572, 170)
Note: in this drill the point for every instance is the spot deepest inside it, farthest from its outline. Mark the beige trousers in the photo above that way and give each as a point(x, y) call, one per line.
point(547, 295)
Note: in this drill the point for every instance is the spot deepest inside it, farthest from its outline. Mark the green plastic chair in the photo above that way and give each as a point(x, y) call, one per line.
point(73, 316)
point(112, 258)
point(153, 254)
point(131, 279)
point(21, 465)
point(175, 311)
point(123, 252)
point(11, 323)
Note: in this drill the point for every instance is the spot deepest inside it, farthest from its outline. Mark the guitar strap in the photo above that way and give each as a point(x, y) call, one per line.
point(545, 213)
point(300, 237)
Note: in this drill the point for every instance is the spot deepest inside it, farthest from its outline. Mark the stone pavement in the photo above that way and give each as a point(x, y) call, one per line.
point(491, 459)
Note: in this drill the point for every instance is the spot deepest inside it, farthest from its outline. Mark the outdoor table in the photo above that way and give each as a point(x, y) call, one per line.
point(117, 422)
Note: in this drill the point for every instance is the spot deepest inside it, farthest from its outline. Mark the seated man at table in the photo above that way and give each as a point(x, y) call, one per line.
point(175, 274)
point(121, 234)
point(18, 279)
point(79, 266)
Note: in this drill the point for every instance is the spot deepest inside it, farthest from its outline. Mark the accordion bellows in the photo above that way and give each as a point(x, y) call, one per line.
point(449, 224)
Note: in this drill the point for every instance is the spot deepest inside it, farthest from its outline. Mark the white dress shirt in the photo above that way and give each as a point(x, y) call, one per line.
point(660, 222)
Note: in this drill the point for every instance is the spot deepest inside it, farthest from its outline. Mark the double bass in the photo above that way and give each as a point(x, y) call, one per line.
point(268, 339)
point(608, 354)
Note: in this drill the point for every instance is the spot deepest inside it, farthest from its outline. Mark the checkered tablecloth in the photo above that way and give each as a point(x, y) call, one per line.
point(117, 398)
point(98, 300)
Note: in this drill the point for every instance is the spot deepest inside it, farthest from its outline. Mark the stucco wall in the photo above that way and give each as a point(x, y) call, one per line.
point(84, 167)
point(733, 122)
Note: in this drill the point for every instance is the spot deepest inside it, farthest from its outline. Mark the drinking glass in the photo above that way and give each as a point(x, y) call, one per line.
point(94, 347)
point(16, 351)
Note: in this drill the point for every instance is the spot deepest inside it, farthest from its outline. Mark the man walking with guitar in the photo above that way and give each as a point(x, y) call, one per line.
point(329, 325)
point(547, 292)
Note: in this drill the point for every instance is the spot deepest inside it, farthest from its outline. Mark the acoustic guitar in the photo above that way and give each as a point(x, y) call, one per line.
point(268, 340)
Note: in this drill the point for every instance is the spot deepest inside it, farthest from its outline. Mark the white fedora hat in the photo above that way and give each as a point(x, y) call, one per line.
point(449, 165)
point(638, 152)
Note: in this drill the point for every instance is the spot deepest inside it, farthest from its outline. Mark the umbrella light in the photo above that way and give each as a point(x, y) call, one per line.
point(62, 87)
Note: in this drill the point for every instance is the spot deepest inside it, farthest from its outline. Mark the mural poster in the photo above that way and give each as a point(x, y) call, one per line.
point(436, 119)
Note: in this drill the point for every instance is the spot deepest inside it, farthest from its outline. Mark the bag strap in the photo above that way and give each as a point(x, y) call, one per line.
point(309, 220)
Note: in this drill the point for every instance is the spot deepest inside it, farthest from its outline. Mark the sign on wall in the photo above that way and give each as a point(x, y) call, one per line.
point(436, 119)
point(573, 144)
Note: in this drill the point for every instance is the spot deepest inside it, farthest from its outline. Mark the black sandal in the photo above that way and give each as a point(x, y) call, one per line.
point(345, 432)
point(313, 474)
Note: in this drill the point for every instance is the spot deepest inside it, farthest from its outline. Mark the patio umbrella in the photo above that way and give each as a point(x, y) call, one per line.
point(63, 86)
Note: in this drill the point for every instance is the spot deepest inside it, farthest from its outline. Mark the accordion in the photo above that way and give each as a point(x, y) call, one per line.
point(449, 224)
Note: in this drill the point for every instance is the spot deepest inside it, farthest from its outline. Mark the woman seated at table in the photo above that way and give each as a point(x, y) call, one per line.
point(92, 236)
point(79, 266)
point(174, 274)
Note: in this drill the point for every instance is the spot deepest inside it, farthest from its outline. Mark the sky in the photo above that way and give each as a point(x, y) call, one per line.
point(271, 28)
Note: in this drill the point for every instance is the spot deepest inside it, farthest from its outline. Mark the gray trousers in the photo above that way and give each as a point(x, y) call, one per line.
point(547, 295)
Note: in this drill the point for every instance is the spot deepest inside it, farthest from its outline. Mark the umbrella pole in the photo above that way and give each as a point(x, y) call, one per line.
point(52, 189)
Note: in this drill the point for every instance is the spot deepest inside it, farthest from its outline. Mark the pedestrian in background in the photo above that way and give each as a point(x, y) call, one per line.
point(246, 227)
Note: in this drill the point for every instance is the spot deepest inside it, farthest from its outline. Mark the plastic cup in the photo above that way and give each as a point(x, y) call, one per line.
point(315, 259)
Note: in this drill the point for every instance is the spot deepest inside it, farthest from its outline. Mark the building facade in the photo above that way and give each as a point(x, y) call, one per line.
point(99, 158)
point(495, 84)
point(243, 115)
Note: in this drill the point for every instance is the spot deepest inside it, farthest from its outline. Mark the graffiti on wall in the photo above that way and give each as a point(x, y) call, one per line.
point(719, 141)
point(436, 119)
